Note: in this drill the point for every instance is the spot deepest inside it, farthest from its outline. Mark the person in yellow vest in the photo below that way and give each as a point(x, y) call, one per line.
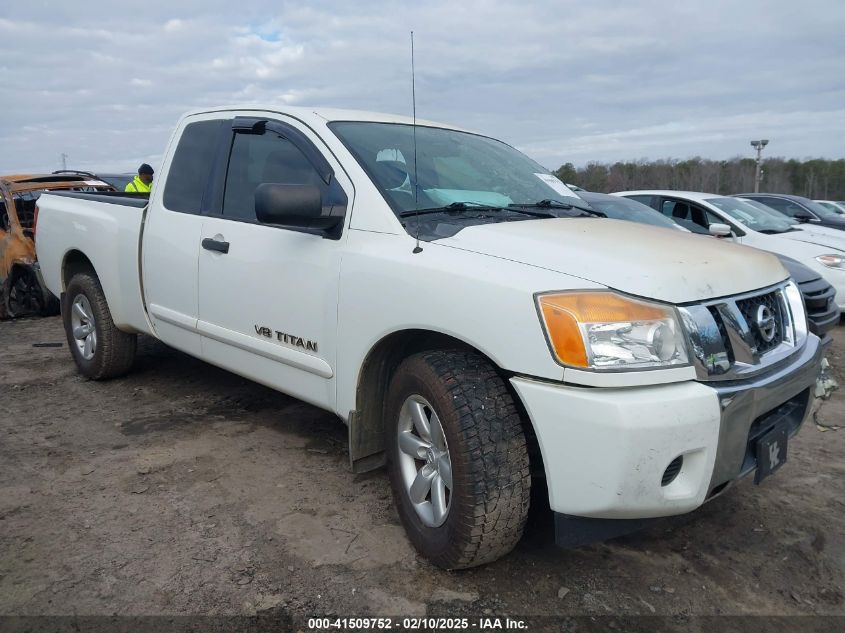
point(143, 182)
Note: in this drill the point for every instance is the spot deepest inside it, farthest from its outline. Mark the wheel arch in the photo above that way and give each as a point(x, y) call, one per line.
point(75, 261)
point(366, 422)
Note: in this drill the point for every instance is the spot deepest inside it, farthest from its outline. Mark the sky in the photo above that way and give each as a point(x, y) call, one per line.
point(605, 80)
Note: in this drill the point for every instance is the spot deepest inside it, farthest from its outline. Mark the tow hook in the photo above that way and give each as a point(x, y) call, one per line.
point(825, 386)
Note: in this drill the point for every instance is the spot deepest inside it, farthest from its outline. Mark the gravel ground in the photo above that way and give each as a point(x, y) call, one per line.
point(183, 489)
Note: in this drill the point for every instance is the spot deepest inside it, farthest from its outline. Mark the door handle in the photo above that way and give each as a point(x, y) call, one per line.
point(220, 246)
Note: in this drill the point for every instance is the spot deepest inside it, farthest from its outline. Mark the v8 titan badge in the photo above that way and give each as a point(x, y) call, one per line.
point(771, 452)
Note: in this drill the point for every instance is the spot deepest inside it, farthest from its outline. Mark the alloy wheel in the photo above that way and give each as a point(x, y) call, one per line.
point(83, 326)
point(424, 460)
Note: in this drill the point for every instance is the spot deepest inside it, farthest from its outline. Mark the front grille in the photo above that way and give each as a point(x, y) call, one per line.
point(750, 308)
point(723, 333)
point(728, 337)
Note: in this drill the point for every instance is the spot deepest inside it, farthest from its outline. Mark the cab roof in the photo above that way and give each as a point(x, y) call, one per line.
point(326, 115)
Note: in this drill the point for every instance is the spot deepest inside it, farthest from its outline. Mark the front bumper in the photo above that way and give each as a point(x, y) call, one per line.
point(605, 451)
point(836, 278)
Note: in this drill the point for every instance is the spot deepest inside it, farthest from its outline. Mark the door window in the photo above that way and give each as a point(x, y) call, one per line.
point(712, 218)
point(256, 159)
point(676, 210)
point(687, 215)
point(646, 200)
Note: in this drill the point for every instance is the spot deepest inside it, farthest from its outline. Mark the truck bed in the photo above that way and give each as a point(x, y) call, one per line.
point(138, 200)
point(106, 227)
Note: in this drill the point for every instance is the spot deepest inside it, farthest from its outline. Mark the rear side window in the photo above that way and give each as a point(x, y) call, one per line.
point(191, 165)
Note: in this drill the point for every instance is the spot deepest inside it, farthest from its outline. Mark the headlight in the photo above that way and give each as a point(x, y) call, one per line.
point(831, 261)
point(797, 312)
point(606, 331)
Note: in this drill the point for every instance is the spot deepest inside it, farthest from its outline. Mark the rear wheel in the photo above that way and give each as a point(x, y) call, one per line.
point(24, 296)
point(98, 347)
point(457, 458)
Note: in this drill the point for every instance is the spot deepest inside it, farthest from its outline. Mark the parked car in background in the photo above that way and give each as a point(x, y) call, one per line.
point(822, 311)
point(618, 208)
point(621, 208)
point(819, 296)
point(798, 207)
point(752, 226)
point(118, 181)
point(838, 207)
point(805, 231)
point(22, 290)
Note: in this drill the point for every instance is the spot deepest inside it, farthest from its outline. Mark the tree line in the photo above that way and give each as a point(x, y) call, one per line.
point(817, 178)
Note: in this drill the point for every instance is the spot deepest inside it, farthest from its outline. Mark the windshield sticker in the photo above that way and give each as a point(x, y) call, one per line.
point(556, 184)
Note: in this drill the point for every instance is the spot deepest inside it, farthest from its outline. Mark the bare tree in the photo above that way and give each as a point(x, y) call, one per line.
point(814, 178)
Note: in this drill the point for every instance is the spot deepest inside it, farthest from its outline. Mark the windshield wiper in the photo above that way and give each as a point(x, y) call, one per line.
point(470, 206)
point(557, 204)
point(454, 206)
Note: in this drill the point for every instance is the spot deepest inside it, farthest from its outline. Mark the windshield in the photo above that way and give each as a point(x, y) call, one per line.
point(773, 212)
point(619, 208)
point(820, 210)
point(451, 167)
point(832, 206)
point(749, 215)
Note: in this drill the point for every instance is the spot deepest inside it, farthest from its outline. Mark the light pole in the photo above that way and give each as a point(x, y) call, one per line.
point(758, 145)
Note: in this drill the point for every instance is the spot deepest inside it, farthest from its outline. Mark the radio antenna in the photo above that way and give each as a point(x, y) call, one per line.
point(417, 248)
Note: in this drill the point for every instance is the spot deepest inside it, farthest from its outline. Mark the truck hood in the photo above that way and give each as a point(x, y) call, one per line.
point(821, 235)
point(642, 260)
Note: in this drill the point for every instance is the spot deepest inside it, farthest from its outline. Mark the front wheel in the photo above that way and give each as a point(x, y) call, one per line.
point(457, 458)
point(98, 347)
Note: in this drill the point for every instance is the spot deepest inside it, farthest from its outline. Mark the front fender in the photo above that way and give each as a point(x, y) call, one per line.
point(486, 302)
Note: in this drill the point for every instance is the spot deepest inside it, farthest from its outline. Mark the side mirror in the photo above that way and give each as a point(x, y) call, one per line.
point(803, 216)
point(720, 230)
point(295, 206)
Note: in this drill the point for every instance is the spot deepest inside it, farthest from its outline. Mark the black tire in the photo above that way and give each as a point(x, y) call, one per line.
point(114, 351)
point(491, 481)
point(23, 295)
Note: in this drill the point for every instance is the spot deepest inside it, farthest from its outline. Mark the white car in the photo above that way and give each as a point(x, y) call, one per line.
point(819, 248)
point(839, 207)
point(469, 318)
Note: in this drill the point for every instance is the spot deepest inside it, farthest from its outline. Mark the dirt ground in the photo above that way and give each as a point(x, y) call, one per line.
point(183, 489)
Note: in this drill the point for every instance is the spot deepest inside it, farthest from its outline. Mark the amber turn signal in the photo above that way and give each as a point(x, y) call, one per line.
point(565, 314)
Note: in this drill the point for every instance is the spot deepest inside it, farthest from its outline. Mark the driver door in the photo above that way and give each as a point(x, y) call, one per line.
point(268, 294)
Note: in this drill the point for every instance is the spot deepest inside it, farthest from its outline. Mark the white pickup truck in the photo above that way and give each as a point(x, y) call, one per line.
point(474, 324)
